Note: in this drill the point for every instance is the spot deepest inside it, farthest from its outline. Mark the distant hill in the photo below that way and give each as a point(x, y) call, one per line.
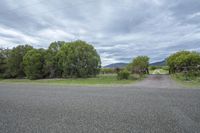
point(160, 63)
point(122, 65)
point(116, 65)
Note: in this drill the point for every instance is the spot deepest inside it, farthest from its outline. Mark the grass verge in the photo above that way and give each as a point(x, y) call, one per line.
point(107, 79)
point(186, 81)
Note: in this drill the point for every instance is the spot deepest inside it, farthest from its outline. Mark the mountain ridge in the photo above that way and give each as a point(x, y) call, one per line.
point(122, 65)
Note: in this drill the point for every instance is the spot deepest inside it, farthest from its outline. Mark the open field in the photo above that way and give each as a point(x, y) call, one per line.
point(154, 105)
point(107, 79)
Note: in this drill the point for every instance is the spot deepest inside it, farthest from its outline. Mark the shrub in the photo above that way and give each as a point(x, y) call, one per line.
point(165, 68)
point(153, 67)
point(107, 71)
point(135, 76)
point(123, 75)
point(183, 61)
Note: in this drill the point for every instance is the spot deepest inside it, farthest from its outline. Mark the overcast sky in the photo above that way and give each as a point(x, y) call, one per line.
point(118, 29)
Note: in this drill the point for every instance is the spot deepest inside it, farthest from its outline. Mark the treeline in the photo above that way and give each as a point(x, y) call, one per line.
point(80, 59)
point(184, 61)
point(60, 60)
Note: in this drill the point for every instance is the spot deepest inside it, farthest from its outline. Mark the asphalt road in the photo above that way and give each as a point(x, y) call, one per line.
point(155, 105)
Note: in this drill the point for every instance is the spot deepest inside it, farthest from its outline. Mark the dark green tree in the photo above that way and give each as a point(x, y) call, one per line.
point(79, 59)
point(139, 65)
point(3, 62)
point(15, 60)
point(34, 63)
point(52, 68)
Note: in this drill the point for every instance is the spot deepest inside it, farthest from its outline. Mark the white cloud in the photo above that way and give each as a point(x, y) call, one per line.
point(55, 34)
point(8, 36)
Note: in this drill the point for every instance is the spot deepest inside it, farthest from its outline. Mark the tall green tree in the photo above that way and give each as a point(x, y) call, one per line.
point(79, 59)
point(52, 68)
point(15, 60)
point(34, 63)
point(139, 65)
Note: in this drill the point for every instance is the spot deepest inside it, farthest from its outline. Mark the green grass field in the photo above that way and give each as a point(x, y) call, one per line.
point(159, 71)
point(107, 79)
point(186, 81)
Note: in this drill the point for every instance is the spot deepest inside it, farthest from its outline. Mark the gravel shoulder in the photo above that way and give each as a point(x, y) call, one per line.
point(158, 81)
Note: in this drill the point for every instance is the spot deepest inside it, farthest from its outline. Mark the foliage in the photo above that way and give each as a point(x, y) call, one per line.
point(184, 61)
point(124, 74)
point(61, 59)
point(34, 63)
point(15, 61)
point(139, 65)
point(154, 67)
point(192, 81)
point(158, 67)
point(107, 71)
point(3, 62)
point(52, 68)
point(79, 59)
point(117, 70)
point(166, 68)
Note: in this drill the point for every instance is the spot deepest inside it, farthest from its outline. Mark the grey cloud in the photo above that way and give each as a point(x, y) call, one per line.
point(182, 8)
point(119, 30)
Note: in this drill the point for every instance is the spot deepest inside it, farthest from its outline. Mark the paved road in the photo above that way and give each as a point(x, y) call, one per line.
point(155, 105)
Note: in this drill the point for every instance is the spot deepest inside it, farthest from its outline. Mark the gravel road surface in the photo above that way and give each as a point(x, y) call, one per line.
point(155, 105)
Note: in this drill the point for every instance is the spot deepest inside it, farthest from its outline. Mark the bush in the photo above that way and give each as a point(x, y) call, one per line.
point(123, 75)
point(153, 67)
point(107, 71)
point(135, 76)
point(183, 61)
point(186, 76)
point(165, 68)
